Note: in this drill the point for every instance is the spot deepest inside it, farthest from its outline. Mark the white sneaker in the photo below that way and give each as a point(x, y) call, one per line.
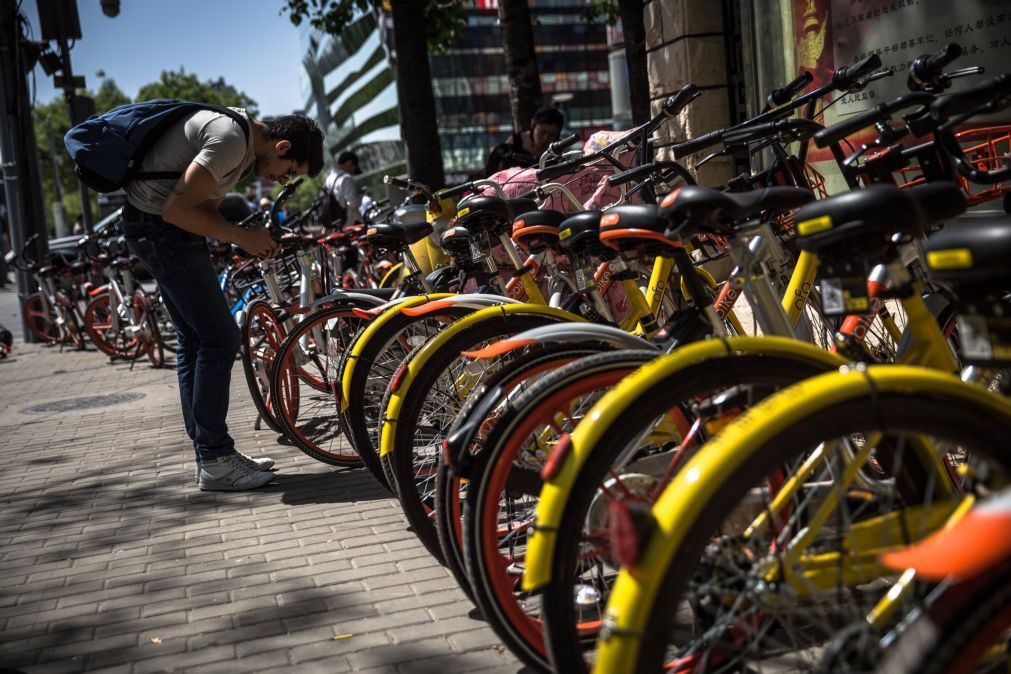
point(256, 464)
point(262, 463)
point(231, 473)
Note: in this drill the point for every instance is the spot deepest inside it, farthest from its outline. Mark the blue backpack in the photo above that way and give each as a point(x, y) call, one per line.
point(108, 149)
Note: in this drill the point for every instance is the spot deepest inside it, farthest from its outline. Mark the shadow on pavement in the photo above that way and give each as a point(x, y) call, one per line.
point(341, 485)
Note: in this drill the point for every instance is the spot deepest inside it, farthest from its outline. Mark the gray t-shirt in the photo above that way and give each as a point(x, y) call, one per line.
point(211, 139)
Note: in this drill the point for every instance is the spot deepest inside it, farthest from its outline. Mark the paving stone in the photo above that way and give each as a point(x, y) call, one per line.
point(111, 561)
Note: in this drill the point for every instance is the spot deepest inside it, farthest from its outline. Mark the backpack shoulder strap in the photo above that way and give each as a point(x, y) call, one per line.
point(196, 107)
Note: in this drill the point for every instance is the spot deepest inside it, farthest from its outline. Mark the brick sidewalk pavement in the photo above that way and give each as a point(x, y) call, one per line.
point(111, 560)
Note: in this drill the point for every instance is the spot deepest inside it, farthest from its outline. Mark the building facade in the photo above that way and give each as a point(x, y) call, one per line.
point(349, 84)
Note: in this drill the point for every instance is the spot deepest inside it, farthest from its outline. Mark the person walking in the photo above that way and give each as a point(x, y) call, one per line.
point(342, 198)
point(166, 223)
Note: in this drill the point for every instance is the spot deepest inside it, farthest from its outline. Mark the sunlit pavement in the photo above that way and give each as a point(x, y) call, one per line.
point(112, 560)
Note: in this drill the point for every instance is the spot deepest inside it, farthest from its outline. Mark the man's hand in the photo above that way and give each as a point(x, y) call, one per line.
point(256, 242)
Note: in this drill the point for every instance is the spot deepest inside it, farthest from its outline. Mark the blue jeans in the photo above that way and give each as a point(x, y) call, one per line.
point(208, 336)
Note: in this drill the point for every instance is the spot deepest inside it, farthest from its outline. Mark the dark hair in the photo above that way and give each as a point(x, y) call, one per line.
point(548, 115)
point(305, 137)
point(347, 155)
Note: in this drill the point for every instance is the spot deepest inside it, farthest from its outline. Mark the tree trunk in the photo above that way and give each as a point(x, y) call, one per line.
point(521, 62)
point(414, 92)
point(634, 29)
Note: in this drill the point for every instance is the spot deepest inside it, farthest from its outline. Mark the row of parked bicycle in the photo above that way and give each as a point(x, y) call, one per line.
point(622, 472)
point(619, 472)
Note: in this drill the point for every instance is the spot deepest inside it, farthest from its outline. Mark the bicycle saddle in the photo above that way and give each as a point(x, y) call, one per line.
point(397, 236)
point(411, 215)
point(493, 214)
point(692, 209)
point(972, 252)
point(868, 218)
point(581, 233)
point(630, 226)
point(537, 230)
point(456, 242)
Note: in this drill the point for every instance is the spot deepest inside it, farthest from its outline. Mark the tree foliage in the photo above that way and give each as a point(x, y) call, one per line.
point(181, 84)
point(443, 18)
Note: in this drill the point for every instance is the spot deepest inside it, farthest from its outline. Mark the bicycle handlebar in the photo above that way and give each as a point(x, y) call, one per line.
point(559, 145)
point(847, 77)
point(782, 96)
point(769, 129)
point(926, 70)
point(992, 91)
point(881, 112)
point(561, 168)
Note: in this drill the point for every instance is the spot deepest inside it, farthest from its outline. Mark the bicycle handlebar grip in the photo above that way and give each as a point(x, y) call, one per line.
point(454, 192)
point(693, 145)
point(397, 182)
point(845, 77)
point(560, 169)
point(779, 97)
point(560, 145)
point(678, 101)
point(630, 175)
point(968, 100)
point(927, 67)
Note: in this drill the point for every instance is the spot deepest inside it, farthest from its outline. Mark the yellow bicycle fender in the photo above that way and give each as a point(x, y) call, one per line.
point(390, 275)
point(696, 484)
point(413, 366)
point(555, 492)
point(369, 332)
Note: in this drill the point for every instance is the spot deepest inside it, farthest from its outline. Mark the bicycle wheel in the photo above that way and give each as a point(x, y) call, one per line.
point(743, 552)
point(112, 341)
point(504, 486)
point(375, 365)
point(152, 336)
point(41, 318)
point(303, 381)
point(630, 473)
point(483, 411)
point(431, 400)
point(261, 337)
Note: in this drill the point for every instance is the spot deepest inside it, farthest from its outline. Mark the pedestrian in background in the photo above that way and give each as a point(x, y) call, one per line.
point(341, 197)
point(525, 148)
point(166, 222)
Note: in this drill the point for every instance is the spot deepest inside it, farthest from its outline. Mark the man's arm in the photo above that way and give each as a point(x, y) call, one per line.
point(190, 208)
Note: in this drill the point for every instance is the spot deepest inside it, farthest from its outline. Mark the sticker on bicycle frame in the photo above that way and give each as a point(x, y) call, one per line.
point(815, 225)
point(581, 278)
point(832, 296)
point(475, 252)
point(953, 258)
point(974, 338)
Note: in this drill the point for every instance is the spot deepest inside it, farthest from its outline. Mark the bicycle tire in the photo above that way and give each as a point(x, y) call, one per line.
point(40, 322)
point(415, 496)
point(883, 412)
point(493, 584)
point(98, 324)
point(448, 481)
point(317, 430)
point(566, 643)
point(375, 366)
point(260, 336)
